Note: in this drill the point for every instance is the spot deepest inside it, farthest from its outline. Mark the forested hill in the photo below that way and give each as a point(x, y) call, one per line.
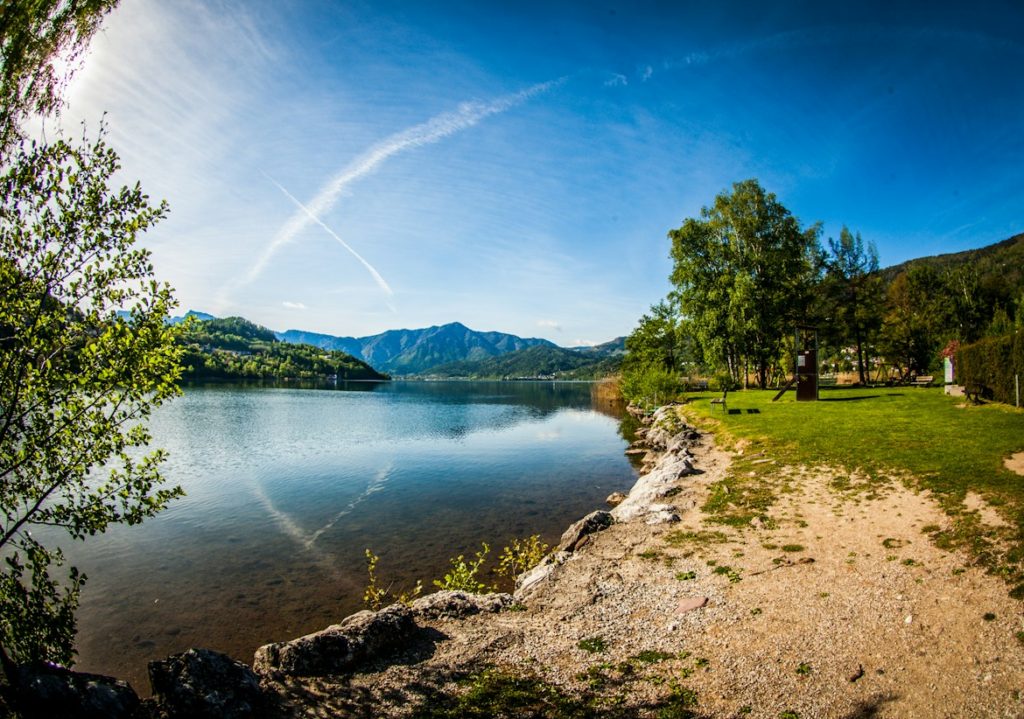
point(235, 348)
point(1000, 266)
point(539, 362)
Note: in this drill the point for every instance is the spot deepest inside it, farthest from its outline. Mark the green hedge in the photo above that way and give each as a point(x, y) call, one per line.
point(991, 363)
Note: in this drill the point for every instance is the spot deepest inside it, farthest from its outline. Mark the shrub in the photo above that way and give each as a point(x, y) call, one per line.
point(521, 556)
point(463, 574)
point(651, 386)
point(991, 364)
point(375, 596)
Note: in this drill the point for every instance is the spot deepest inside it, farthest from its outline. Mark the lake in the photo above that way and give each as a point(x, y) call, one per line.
point(286, 489)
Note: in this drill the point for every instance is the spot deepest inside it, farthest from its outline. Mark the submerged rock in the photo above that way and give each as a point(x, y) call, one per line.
point(205, 684)
point(615, 498)
point(339, 648)
point(48, 691)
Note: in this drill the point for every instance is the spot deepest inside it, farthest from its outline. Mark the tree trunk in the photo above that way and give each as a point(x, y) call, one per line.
point(860, 357)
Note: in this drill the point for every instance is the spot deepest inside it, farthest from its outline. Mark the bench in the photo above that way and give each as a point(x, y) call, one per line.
point(923, 380)
point(973, 392)
point(720, 400)
point(827, 381)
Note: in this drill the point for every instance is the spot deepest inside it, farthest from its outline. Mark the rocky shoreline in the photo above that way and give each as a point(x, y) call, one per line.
point(645, 609)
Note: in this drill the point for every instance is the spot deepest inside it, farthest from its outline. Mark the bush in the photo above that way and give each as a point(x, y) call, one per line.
point(521, 556)
point(651, 386)
point(991, 364)
point(463, 574)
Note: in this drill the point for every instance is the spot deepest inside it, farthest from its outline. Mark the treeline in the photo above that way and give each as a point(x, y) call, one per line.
point(746, 273)
point(538, 361)
point(235, 348)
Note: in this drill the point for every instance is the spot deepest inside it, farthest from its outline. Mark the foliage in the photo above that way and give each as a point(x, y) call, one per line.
point(742, 276)
point(991, 364)
point(234, 348)
point(497, 693)
point(650, 386)
point(852, 296)
point(37, 40)
point(657, 341)
point(463, 574)
point(521, 556)
point(594, 645)
point(536, 361)
point(77, 379)
point(995, 276)
point(375, 597)
point(924, 311)
point(38, 617)
point(928, 305)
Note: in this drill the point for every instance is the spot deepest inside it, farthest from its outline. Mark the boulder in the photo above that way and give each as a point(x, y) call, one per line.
point(205, 684)
point(48, 691)
point(340, 648)
point(528, 581)
point(593, 522)
point(677, 467)
point(452, 604)
point(615, 498)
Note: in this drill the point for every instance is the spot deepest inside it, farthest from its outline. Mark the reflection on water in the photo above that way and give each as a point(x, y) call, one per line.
point(288, 487)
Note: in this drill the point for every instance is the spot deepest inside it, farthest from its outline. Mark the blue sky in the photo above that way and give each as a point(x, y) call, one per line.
point(355, 167)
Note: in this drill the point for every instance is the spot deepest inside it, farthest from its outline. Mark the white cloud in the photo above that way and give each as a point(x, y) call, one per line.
point(550, 324)
point(645, 73)
point(293, 305)
point(616, 80)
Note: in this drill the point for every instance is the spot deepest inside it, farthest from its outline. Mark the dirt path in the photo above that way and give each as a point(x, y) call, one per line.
point(838, 607)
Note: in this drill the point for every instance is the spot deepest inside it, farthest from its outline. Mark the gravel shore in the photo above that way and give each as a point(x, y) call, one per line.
point(839, 606)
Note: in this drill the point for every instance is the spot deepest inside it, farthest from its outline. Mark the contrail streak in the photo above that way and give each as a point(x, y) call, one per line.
point(309, 214)
point(437, 128)
point(306, 539)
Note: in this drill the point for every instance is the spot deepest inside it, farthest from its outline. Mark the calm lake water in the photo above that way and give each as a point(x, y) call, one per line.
point(288, 487)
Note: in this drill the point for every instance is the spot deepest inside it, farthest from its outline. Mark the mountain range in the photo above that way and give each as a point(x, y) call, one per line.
point(407, 352)
point(454, 350)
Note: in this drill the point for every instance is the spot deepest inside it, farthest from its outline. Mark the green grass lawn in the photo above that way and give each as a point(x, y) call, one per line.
point(945, 446)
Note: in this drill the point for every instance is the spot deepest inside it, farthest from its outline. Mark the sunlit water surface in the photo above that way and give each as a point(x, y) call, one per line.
point(286, 488)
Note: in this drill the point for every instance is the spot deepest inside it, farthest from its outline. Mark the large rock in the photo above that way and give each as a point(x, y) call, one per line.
point(529, 581)
point(205, 684)
point(593, 522)
point(339, 648)
point(48, 691)
point(453, 604)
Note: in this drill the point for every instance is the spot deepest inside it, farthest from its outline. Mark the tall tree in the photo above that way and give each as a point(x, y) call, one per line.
point(77, 379)
point(914, 319)
point(41, 43)
point(655, 341)
point(964, 303)
point(853, 293)
point(743, 275)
